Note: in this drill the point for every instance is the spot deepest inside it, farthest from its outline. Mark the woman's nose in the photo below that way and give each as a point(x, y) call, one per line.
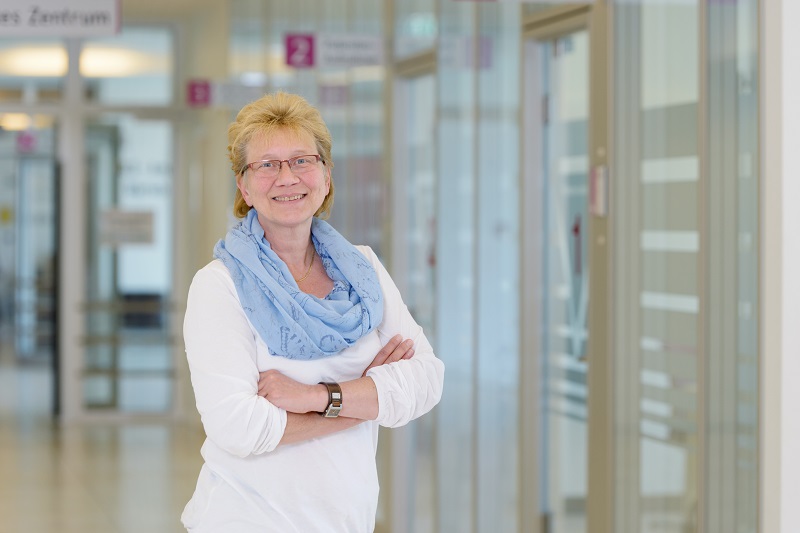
point(285, 174)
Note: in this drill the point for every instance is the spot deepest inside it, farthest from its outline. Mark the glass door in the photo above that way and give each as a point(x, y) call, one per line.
point(565, 288)
point(29, 253)
point(129, 364)
point(414, 267)
point(116, 262)
point(556, 193)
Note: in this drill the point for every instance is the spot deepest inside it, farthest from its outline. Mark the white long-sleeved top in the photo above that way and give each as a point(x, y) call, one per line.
point(250, 484)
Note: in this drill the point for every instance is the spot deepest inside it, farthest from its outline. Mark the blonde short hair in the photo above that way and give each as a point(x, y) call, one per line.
point(263, 117)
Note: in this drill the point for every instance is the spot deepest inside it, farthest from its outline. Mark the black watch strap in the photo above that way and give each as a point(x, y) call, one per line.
point(334, 400)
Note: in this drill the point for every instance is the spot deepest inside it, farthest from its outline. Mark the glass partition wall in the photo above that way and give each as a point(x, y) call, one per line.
point(685, 255)
point(32, 72)
point(29, 257)
point(415, 197)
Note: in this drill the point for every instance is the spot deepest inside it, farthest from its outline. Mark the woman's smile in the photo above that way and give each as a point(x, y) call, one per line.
point(289, 198)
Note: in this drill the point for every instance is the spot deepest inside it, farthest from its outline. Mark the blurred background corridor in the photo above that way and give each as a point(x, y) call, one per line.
point(588, 206)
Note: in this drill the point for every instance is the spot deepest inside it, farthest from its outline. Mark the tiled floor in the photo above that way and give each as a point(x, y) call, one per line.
point(87, 479)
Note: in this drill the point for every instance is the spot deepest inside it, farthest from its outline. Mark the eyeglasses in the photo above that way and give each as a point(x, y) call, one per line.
point(269, 168)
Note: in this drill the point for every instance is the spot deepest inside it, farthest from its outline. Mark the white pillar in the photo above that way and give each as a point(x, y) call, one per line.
point(204, 199)
point(72, 225)
point(780, 264)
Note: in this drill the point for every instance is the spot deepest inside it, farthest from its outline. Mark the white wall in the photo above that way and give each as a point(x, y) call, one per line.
point(780, 275)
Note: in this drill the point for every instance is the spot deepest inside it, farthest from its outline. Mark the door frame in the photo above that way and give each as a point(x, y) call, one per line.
point(537, 27)
point(73, 113)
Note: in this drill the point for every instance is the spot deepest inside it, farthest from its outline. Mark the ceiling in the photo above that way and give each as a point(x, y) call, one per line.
point(162, 9)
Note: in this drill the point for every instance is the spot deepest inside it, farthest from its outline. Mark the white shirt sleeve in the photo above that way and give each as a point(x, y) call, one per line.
point(221, 350)
point(409, 388)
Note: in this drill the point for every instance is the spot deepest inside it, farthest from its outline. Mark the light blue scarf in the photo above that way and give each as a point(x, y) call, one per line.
point(292, 323)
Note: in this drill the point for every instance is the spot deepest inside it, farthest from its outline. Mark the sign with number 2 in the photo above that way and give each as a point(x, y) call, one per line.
point(300, 50)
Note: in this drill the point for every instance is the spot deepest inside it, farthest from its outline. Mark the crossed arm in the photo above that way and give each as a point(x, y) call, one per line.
point(240, 423)
point(303, 402)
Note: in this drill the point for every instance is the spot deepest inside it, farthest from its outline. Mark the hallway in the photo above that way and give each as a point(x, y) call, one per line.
point(589, 206)
point(110, 478)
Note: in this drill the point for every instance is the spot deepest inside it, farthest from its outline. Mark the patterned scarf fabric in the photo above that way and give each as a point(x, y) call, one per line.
point(292, 323)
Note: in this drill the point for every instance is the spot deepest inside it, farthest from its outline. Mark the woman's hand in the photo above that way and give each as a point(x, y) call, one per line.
point(293, 396)
point(395, 350)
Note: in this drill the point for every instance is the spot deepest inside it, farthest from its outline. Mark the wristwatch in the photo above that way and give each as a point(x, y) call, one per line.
point(334, 400)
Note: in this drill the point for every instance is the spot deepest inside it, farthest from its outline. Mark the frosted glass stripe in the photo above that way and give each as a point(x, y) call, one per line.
point(670, 170)
point(662, 301)
point(570, 388)
point(566, 331)
point(654, 407)
point(578, 164)
point(670, 241)
point(567, 362)
point(655, 378)
point(651, 344)
point(562, 291)
point(654, 430)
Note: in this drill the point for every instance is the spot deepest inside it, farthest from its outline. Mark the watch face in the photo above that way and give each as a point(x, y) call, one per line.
point(334, 400)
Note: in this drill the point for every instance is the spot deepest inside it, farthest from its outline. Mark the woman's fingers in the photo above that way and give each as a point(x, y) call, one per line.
point(388, 349)
point(401, 351)
point(394, 350)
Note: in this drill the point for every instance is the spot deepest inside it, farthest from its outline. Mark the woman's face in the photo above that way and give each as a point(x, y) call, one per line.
point(286, 200)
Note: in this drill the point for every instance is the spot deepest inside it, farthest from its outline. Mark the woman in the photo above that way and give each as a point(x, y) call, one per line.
point(287, 323)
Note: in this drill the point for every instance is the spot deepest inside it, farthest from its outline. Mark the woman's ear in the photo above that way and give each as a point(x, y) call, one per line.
point(241, 184)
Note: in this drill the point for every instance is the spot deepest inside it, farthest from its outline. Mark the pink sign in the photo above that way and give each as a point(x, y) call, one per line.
point(26, 142)
point(300, 50)
point(198, 93)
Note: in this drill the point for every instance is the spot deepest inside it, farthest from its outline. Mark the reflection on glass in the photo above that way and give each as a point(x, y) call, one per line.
point(28, 239)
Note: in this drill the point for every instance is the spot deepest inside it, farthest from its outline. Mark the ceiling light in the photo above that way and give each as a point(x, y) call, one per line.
point(15, 121)
point(34, 62)
point(96, 62)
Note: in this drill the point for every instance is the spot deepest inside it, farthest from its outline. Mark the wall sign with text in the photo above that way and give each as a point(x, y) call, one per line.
point(324, 50)
point(59, 18)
